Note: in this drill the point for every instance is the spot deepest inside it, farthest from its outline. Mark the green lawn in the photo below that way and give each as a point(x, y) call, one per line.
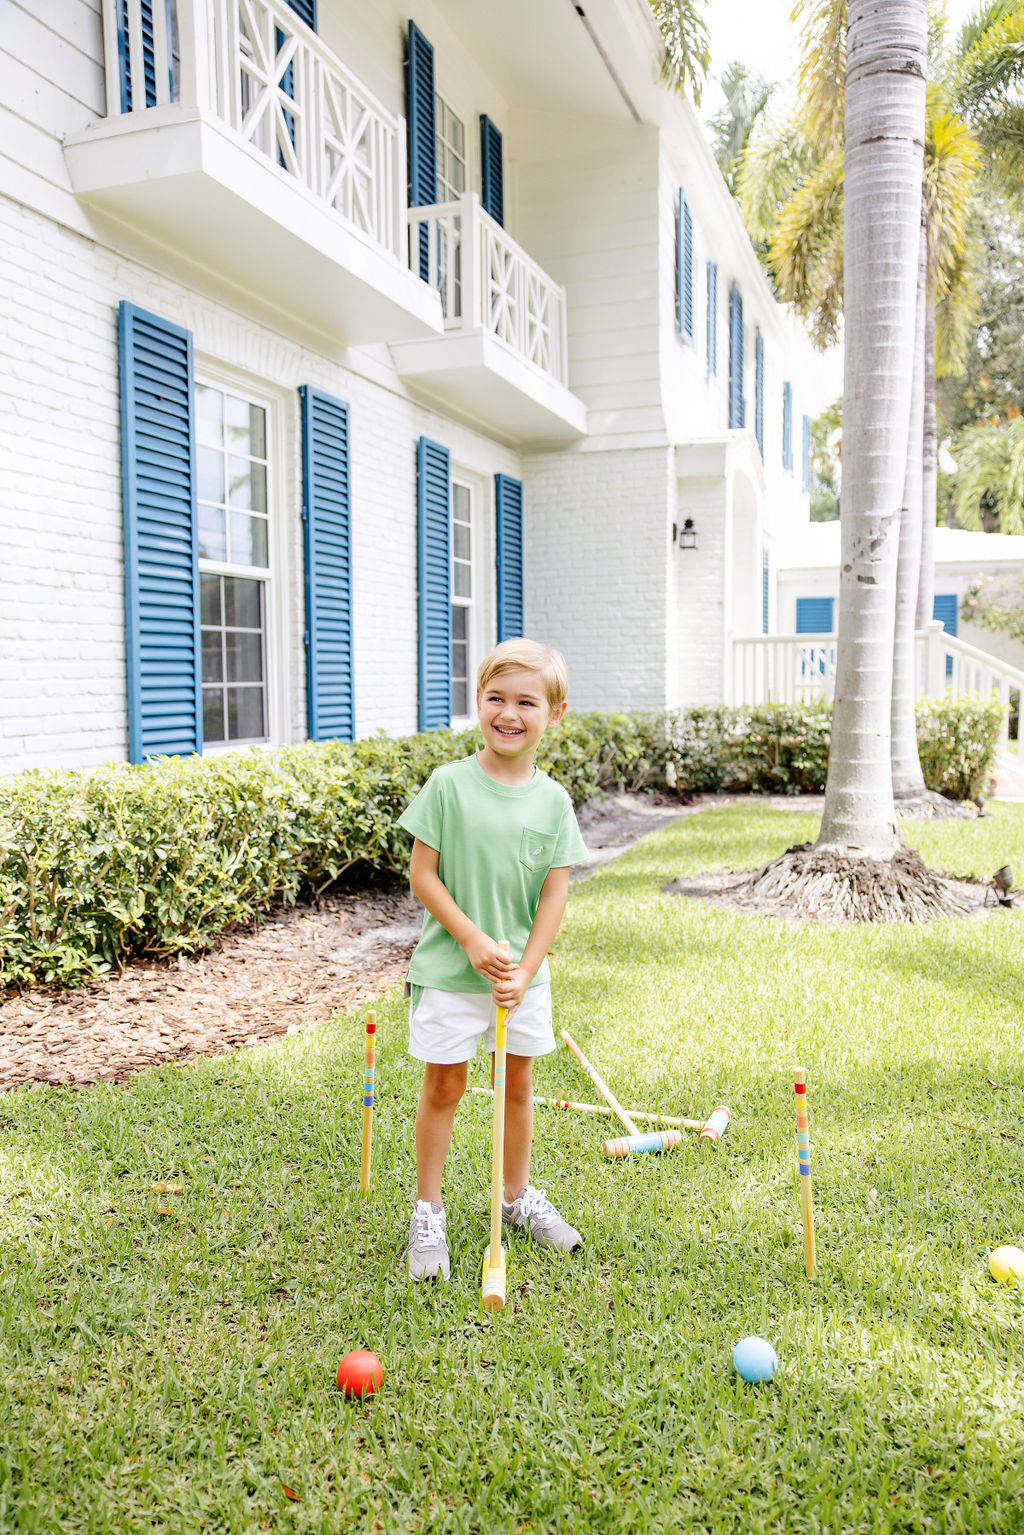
point(174, 1372)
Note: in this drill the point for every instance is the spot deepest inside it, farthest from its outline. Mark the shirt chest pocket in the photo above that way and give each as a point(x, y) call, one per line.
point(536, 849)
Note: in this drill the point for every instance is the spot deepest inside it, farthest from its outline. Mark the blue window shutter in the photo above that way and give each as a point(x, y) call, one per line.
point(787, 427)
point(422, 130)
point(684, 269)
point(148, 52)
point(160, 536)
point(326, 513)
point(509, 506)
point(944, 608)
point(806, 456)
point(814, 615)
point(712, 337)
point(759, 392)
point(306, 9)
point(493, 181)
point(764, 591)
point(433, 490)
point(736, 406)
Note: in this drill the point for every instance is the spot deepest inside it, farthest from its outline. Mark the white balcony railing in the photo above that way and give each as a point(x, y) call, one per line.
point(255, 65)
point(799, 668)
point(488, 282)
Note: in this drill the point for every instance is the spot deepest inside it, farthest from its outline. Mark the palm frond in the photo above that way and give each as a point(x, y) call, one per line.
point(990, 475)
point(684, 33)
point(776, 160)
point(991, 68)
point(806, 249)
point(821, 79)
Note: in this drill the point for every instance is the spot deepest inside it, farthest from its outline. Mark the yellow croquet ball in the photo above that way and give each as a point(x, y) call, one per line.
point(1007, 1265)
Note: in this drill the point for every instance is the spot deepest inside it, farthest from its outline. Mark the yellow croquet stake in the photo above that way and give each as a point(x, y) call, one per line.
point(803, 1151)
point(492, 1288)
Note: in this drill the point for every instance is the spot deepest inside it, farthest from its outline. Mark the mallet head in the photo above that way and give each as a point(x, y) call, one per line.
point(493, 1280)
point(657, 1140)
point(716, 1126)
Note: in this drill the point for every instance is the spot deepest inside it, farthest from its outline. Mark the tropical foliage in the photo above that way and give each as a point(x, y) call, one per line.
point(990, 476)
point(997, 602)
point(684, 33)
point(746, 97)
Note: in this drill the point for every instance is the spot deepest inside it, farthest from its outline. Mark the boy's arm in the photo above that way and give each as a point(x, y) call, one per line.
point(482, 951)
point(509, 991)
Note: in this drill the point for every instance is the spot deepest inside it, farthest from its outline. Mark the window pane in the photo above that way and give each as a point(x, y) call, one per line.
point(457, 177)
point(242, 603)
point(245, 427)
point(461, 581)
point(461, 503)
point(459, 657)
point(210, 467)
point(248, 540)
point(460, 541)
point(209, 599)
point(459, 623)
point(456, 135)
point(245, 714)
point(213, 716)
point(213, 657)
point(209, 414)
point(460, 698)
point(245, 657)
point(247, 484)
point(213, 541)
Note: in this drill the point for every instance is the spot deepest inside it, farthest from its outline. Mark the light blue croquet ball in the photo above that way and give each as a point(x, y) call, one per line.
point(755, 1359)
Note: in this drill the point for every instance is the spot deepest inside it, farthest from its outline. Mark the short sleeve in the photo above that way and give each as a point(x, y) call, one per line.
point(570, 847)
point(424, 815)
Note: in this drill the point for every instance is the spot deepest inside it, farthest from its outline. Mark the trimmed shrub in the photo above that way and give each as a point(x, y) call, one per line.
point(100, 866)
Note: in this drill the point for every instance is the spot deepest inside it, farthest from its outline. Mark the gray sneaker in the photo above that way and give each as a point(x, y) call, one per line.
point(532, 1211)
point(428, 1245)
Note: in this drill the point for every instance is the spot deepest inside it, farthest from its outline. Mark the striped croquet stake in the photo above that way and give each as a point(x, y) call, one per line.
point(492, 1278)
point(368, 1075)
point(803, 1151)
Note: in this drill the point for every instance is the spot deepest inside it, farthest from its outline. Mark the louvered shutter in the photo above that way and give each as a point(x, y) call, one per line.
point(787, 427)
point(509, 503)
point(433, 489)
point(128, 66)
point(684, 269)
point(736, 406)
point(306, 9)
point(764, 591)
point(759, 392)
point(422, 130)
point(944, 608)
point(326, 512)
point(814, 615)
point(160, 536)
point(493, 180)
point(712, 327)
point(806, 455)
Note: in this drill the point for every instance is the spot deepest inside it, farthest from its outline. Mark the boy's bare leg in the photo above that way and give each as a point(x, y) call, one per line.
point(443, 1086)
point(518, 1121)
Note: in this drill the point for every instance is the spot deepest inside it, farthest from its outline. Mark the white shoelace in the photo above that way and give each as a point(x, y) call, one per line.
point(429, 1225)
point(536, 1202)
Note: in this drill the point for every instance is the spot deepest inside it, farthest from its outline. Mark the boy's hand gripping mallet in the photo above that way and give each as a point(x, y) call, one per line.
point(492, 1288)
point(658, 1140)
point(368, 1075)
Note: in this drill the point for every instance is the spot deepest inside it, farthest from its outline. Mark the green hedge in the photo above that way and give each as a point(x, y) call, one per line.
point(100, 866)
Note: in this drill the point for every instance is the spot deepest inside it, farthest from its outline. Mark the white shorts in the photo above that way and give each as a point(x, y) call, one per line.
point(445, 1027)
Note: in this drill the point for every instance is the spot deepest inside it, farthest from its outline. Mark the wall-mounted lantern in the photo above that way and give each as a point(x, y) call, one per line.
point(686, 535)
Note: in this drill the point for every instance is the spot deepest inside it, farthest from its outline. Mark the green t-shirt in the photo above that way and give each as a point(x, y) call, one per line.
point(496, 844)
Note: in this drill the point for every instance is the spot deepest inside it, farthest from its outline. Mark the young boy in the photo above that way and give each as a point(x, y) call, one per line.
point(494, 840)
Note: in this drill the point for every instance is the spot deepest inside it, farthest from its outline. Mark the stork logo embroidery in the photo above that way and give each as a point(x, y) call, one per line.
point(536, 851)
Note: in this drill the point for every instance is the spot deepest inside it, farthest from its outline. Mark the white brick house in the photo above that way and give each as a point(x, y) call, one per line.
point(340, 338)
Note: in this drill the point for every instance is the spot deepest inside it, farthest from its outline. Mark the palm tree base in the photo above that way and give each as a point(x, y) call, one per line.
point(834, 884)
point(926, 805)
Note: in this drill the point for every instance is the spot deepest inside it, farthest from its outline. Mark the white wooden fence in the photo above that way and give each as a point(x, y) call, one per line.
point(264, 73)
point(487, 281)
point(801, 668)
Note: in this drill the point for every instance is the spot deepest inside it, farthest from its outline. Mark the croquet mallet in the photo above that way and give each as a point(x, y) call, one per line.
point(633, 1141)
point(492, 1284)
point(368, 1076)
point(641, 1116)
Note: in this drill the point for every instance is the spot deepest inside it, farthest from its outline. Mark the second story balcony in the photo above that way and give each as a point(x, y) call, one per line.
point(503, 357)
point(238, 141)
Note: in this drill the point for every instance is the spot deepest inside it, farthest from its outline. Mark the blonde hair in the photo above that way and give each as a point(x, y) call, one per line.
point(527, 656)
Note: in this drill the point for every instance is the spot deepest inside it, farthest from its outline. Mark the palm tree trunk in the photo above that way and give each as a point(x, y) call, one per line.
point(907, 778)
point(930, 472)
point(885, 102)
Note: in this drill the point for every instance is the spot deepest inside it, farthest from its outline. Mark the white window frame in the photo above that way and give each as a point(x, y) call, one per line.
point(481, 512)
point(440, 142)
point(278, 405)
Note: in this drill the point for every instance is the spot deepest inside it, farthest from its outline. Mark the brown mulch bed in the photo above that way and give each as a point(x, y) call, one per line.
point(295, 968)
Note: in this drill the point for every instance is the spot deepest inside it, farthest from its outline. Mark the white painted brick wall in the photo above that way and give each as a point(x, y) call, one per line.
point(62, 648)
point(597, 532)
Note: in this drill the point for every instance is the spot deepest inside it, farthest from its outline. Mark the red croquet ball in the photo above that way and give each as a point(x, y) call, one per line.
point(360, 1373)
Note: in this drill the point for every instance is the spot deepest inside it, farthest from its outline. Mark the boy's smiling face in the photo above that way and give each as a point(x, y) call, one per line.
point(514, 714)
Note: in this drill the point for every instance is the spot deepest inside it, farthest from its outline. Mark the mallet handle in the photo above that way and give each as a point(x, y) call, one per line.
point(368, 1077)
point(602, 1108)
point(599, 1082)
